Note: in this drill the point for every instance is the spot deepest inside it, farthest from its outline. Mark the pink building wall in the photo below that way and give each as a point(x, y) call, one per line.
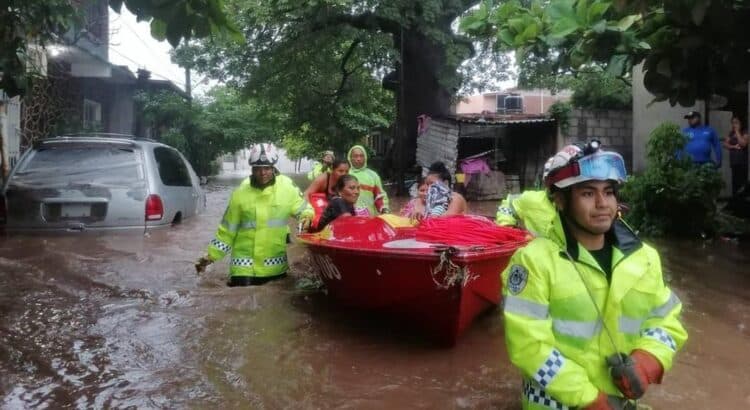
point(534, 101)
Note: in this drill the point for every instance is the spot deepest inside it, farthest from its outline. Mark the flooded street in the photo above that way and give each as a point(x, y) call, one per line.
point(118, 321)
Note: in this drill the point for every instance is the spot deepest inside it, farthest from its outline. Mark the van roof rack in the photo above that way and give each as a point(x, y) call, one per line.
point(102, 135)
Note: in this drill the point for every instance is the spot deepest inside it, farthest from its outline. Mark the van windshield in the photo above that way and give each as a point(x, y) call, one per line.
point(76, 165)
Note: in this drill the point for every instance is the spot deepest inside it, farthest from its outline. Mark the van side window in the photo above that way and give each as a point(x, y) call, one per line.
point(172, 169)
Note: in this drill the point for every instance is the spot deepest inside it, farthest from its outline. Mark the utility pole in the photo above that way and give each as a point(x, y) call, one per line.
point(188, 85)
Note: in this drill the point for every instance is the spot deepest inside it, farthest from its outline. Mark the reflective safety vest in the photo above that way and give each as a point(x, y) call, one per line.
point(531, 210)
point(553, 331)
point(372, 196)
point(255, 227)
point(316, 170)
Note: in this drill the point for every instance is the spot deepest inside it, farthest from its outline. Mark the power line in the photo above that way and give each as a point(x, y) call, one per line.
point(180, 83)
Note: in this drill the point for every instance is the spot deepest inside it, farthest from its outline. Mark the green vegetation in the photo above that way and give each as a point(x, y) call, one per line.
point(561, 111)
point(672, 196)
point(340, 68)
point(208, 128)
point(23, 22)
point(599, 90)
point(691, 49)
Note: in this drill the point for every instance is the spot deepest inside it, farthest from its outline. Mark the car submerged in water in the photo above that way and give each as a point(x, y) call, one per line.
point(99, 182)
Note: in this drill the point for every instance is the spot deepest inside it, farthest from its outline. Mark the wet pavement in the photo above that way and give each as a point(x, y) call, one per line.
point(118, 321)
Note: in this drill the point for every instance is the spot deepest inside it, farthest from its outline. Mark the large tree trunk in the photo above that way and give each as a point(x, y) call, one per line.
point(420, 92)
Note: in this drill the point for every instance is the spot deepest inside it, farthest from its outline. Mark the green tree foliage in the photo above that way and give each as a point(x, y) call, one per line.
point(207, 128)
point(596, 89)
point(691, 49)
point(24, 23)
point(325, 63)
point(672, 196)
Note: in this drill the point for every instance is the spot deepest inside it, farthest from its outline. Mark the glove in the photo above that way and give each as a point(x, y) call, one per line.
point(202, 263)
point(632, 374)
point(304, 224)
point(604, 402)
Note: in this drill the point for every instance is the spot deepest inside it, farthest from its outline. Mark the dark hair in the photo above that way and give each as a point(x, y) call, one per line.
point(420, 181)
point(438, 168)
point(343, 180)
point(335, 164)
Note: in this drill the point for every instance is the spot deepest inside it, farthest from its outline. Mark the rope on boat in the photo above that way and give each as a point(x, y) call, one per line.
point(454, 274)
point(470, 230)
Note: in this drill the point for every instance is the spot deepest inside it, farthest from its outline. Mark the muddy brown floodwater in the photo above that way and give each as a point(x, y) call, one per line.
point(122, 321)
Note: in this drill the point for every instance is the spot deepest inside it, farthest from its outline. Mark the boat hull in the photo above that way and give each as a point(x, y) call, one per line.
point(413, 287)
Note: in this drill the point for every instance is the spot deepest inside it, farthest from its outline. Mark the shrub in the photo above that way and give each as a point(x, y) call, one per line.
point(599, 90)
point(561, 112)
point(672, 196)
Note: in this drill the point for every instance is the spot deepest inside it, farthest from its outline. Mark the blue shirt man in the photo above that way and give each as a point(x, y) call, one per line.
point(701, 140)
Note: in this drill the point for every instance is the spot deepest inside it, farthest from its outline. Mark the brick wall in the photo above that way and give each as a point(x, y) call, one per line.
point(613, 128)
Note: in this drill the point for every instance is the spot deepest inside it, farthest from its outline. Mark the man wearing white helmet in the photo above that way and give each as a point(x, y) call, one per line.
point(256, 223)
point(588, 318)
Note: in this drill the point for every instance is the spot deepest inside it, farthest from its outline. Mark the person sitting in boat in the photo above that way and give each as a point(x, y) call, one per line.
point(256, 223)
point(441, 200)
point(414, 209)
point(344, 203)
point(325, 183)
point(373, 196)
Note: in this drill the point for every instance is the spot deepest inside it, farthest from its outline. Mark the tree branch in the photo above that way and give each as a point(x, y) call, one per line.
point(364, 21)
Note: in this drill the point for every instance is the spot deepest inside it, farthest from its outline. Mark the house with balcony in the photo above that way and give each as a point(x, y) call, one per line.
point(81, 89)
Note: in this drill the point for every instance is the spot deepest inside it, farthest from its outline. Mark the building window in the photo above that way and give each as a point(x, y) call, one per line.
point(92, 115)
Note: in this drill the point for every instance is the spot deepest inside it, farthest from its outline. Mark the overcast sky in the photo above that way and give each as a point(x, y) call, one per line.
point(131, 44)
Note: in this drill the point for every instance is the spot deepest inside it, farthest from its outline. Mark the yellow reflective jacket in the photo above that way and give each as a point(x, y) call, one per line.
point(531, 210)
point(553, 332)
point(255, 227)
point(316, 170)
point(372, 196)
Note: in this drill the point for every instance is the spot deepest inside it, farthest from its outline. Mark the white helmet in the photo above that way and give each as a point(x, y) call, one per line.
point(578, 163)
point(263, 155)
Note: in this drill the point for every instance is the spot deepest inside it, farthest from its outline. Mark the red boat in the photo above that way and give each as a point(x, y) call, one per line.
point(368, 264)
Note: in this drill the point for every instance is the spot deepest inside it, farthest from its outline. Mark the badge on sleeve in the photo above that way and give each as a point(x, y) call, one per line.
point(517, 279)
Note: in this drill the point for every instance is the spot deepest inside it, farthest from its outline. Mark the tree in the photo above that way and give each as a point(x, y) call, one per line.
point(691, 49)
point(207, 128)
point(325, 61)
point(39, 22)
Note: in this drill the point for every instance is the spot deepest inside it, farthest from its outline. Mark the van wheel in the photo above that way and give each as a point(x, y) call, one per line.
point(177, 218)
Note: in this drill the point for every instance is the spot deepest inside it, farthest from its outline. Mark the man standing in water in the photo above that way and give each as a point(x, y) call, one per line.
point(372, 195)
point(702, 139)
point(589, 320)
point(256, 223)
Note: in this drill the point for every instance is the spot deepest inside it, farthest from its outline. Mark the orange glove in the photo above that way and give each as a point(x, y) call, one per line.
point(635, 373)
point(601, 403)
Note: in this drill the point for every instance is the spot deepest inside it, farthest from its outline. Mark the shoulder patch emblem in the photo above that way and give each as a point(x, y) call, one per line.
point(517, 279)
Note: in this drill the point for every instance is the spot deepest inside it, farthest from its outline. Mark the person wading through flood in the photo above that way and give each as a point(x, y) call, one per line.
point(255, 225)
point(588, 318)
point(372, 196)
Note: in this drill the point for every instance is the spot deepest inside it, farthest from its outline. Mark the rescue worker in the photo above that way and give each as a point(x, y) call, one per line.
point(531, 210)
point(372, 196)
point(589, 320)
point(255, 225)
point(321, 167)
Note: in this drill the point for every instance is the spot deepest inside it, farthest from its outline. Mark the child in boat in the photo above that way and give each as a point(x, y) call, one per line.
point(344, 203)
point(414, 209)
point(441, 200)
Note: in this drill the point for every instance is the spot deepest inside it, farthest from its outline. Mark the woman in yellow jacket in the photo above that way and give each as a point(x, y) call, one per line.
point(255, 225)
point(589, 320)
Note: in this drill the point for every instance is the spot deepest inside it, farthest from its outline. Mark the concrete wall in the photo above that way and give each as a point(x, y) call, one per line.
point(647, 116)
point(612, 127)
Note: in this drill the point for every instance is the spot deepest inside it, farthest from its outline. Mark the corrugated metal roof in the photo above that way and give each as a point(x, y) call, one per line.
point(496, 119)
